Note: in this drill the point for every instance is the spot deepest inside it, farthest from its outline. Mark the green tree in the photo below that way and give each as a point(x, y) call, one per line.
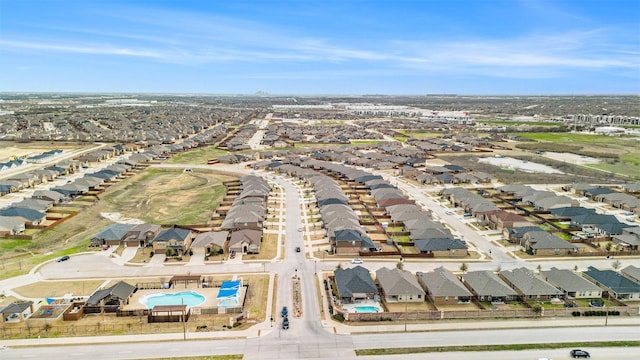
point(464, 267)
point(537, 309)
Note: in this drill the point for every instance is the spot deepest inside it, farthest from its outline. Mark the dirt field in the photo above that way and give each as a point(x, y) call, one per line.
point(9, 149)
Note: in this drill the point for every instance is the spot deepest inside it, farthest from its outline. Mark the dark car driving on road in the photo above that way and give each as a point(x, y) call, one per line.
point(577, 353)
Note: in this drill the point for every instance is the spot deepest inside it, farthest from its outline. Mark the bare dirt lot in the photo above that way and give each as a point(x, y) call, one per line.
point(10, 149)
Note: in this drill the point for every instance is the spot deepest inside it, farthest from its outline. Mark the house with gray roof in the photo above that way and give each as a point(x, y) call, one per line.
point(112, 234)
point(546, 244)
point(53, 196)
point(528, 285)
point(614, 284)
point(443, 287)
point(35, 204)
point(29, 216)
point(116, 295)
point(354, 284)
point(487, 286)
point(141, 235)
point(11, 226)
point(632, 272)
point(442, 247)
point(399, 286)
point(210, 242)
point(176, 239)
point(572, 284)
point(351, 241)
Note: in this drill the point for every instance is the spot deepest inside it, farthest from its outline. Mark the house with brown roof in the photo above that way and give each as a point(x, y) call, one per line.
point(245, 241)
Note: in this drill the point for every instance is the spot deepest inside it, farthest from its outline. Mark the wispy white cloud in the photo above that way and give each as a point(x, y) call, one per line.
point(92, 49)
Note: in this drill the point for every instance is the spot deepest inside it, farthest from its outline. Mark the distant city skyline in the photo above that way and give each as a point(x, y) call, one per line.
point(527, 47)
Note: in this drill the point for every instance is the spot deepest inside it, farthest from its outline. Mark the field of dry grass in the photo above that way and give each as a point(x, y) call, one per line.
point(168, 196)
point(44, 289)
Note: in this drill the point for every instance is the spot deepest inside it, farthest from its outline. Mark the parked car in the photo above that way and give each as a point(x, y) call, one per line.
point(63, 258)
point(577, 353)
point(357, 261)
point(284, 312)
point(285, 323)
point(449, 212)
point(232, 255)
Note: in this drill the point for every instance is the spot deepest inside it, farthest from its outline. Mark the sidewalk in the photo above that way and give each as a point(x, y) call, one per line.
point(264, 328)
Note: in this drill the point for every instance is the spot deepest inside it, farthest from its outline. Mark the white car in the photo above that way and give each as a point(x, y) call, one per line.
point(357, 261)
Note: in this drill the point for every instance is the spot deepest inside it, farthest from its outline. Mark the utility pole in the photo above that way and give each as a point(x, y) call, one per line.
point(405, 313)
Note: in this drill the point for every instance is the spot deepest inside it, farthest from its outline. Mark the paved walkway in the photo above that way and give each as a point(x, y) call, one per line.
point(330, 326)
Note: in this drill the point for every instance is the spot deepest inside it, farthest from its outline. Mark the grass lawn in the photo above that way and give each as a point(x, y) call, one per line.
point(418, 134)
point(44, 289)
point(197, 156)
point(521, 123)
point(168, 196)
point(268, 248)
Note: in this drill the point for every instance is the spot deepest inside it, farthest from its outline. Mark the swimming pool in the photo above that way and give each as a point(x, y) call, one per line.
point(188, 298)
point(366, 309)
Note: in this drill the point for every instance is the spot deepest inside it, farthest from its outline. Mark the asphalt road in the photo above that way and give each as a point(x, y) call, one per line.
point(289, 345)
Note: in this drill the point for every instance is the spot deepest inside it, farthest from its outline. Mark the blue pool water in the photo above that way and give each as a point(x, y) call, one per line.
point(366, 309)
point(188, 298)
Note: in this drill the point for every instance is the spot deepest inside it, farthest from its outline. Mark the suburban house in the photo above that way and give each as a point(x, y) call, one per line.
point(176, 240)
point(529, 286)
point(399, 286)
point(34, 204)
point(487, 286)
point(52, 196)
point(243, 216)
point(442, 247)
point(350, 241)
point(11, 226)
point(112, 234)
point(117, 295)
point(632, 272)
point(614, 284)
point(210, 242)
point(516, 234)
point(246, 241)
point(141, 235)
point(573, 285)
point(629, 239)
point(354, 284)
point(544, 243)
point(29, 216)
point(443, 287)
point(500, 219)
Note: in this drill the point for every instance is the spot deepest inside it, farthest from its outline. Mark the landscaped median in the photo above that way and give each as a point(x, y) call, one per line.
point(507, 347)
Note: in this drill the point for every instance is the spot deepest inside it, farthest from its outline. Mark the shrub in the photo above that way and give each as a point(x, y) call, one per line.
point(338, 317)
point(575, 313)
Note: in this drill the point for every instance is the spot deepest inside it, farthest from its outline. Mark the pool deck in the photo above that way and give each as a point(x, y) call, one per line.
point(209, 294)
point(351, 308)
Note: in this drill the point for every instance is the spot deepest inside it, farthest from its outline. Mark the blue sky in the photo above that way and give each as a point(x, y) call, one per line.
point(321, 47)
